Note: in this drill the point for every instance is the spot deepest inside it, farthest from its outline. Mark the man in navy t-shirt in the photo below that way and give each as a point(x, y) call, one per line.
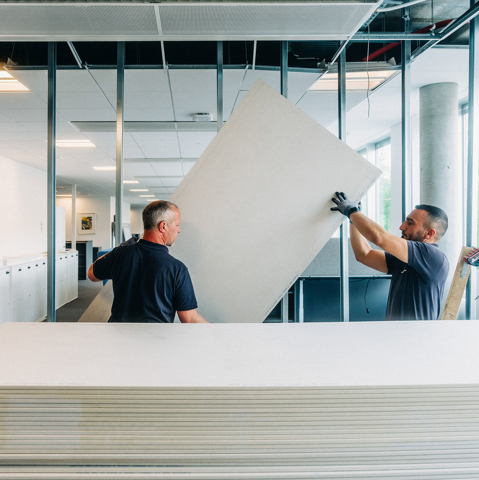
point(418, 268)
point(149, 285)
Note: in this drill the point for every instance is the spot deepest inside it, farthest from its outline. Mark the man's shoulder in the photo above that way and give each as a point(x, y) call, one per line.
point(178, 264)
point(430, 249)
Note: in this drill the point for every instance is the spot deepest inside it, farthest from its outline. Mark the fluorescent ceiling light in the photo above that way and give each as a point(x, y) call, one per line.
point(146, 195)
point(355, 81)
point(10, 84)
point(63, 195)
point(360, 76)
point(105, 169)
point(139, 190)
point(131, 181)
point(75, 144)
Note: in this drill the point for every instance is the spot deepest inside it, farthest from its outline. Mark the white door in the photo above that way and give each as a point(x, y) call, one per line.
point(19, 294)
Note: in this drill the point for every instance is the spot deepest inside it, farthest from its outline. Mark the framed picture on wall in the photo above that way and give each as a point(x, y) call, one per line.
point(86, 223)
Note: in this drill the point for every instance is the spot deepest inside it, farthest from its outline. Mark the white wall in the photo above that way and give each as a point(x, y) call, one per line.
point(98, 205)
point(23, 207)
point(136, 221)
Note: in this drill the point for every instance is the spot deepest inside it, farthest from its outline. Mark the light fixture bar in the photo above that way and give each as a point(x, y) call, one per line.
point(75, 144)
point(105, 169)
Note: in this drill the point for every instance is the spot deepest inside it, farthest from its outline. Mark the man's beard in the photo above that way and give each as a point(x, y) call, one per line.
point(418, 237)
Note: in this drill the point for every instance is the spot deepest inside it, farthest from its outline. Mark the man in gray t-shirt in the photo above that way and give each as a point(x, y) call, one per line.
point(418, 268)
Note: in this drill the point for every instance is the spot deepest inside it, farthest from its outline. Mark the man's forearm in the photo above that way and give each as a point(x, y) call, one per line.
point(368, 229)
point(191, 316)
point(359, 244)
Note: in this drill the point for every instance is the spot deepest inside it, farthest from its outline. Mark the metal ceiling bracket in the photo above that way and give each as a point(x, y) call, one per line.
point(472, 158)
point(51, 178)
point(343, 230)
point(219, 85)
point(75, 54)
point(163, 56)
point(120, 96)
point(284, 69)
point(405, 114)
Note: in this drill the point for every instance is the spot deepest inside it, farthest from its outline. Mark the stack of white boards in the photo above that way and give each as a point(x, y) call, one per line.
point(388, 400)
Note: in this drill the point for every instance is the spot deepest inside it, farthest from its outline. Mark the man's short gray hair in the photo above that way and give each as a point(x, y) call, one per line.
point(156, 212)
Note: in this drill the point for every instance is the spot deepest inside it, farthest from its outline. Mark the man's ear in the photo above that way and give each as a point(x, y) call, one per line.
point(429, 234)
point(161, 226)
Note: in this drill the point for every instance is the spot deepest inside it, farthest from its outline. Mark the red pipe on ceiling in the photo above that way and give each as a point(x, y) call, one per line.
point(388, 47)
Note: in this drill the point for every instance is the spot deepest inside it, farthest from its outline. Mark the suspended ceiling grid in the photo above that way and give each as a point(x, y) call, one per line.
point(159, 160)
point(201, 20)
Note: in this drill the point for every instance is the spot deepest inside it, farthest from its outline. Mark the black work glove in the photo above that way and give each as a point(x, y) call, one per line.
point(345, 206)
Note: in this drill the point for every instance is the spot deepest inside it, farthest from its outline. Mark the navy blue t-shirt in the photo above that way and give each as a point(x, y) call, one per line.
point(149, 285)
point(417, 286)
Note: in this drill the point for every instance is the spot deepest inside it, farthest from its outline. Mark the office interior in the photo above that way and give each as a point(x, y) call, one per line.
point(396, 81)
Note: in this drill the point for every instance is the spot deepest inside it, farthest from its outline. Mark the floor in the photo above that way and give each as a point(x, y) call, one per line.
point(72, 311)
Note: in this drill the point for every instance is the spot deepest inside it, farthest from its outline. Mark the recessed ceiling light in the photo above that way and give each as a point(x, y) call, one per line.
point(75, 144)
point(150, 199)
point(105, 169)
point(355, 81)
point(10, 84)
point(139, 190)
point(131, 181)
point(146, 195)
point(63, 195)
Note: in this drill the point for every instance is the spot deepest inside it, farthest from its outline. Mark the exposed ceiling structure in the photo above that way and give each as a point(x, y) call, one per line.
point(161, 140)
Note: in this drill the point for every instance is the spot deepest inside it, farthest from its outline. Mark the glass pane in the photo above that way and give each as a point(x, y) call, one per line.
point(383, 162)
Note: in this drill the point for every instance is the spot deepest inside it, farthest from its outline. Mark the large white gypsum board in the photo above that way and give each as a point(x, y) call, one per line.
point(256, 205)
point(359, 354)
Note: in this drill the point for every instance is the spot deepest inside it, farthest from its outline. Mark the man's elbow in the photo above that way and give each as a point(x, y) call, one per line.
point(360, 257)
point(91, 276)
point(379, 239)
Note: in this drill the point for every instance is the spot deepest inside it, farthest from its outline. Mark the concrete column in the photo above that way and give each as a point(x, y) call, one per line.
point(441, 168)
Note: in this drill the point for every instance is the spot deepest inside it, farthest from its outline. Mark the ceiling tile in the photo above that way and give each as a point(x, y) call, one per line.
point(105, 78)
point(149, 114)
point(204, 102)
point(88, 114)
point(150, 182)
point(158, 190)
point(21, 100)
point(35, 80)
point(146, 81)
point(159, 150)
point(233, 79)
point(139, 169)
point(171, 181)
point(16, 135)
point(11, 127)
point(193, 80)
point(82, 100)
point(167, 168)
point(25, 114)
point(75, 81)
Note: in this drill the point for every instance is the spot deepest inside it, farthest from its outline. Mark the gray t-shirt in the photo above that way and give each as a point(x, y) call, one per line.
point(417, 287)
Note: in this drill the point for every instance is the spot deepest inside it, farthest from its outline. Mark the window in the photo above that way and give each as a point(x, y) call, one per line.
point(464, 144)
point(383, 185)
